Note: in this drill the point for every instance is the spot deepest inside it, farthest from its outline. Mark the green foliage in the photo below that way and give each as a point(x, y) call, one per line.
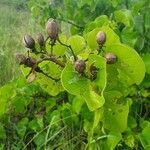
point(89, 105)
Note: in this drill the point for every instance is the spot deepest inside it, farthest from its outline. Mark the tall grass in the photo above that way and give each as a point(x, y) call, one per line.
point(14, 23)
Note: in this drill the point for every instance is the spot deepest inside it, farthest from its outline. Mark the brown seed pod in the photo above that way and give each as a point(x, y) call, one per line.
point(20, 58)
point(93, 71)
point(30, 62)
point(80, 66)
point(52, 29)
point(111, 58)
point(101, 38)
point(29, 42)
point(40, 39)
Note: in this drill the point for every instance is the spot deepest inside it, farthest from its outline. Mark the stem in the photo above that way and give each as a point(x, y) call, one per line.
point(67, 21)
point(52, 44)
point(53, 59)
point(46, 39)
point(69, 46)
point(41, 71)
point(56, 80)
point(28, 54)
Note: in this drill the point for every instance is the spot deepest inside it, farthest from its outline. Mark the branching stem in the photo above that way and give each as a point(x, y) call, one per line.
point(69, 46)
point(53, 59)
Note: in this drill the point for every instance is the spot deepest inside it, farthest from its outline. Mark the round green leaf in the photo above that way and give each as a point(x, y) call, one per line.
point(77, 43)
point(80, 86)
point(111, 37)
point(59, 49)
point(115, 116)
point(129, 64)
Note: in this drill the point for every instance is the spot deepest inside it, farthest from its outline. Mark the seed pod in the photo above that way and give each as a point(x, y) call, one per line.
point(80, 66)
point(20, 58)
point(111, 58)
point(101, 38)
point(40, 39)
point(93, 72)
point(52, 29)
point(30, 62)
point(29, 42)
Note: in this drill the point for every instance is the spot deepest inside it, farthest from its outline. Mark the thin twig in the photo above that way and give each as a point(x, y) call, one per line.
point(67, 21)
point(69, 46)
point(37, 69)
point(52, 44)
point(53, 59)
point(56, 80)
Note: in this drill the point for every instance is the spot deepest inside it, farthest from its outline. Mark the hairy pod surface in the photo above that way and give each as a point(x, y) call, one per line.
point(20, 58)
point(111, 58)
point(93, 72)
point(40, 39)
point(30, 62)
point(101, 38)
point(52, 29)
point(80, 66)
point(28, 41)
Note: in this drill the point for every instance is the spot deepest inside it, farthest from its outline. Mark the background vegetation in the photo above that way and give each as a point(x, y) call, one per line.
point(31, 116)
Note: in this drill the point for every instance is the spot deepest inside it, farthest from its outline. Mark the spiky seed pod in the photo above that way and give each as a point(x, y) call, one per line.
point(20, 58)
point(111, 58)
point(80, 66)
point(30, 62)
point(101, 38)
point(40, 39)
point(52, 29)
point(28, 41)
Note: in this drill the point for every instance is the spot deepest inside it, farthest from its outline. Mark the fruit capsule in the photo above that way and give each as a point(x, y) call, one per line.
point(29, 41)
point(80, 66)
point(111, 58)
point(101, 38)
point(40, 39)
point(52, 29)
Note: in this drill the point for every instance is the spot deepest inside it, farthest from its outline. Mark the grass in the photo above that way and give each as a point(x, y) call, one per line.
point(14, 23)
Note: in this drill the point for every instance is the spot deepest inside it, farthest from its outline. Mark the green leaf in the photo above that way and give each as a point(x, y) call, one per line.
point(145, 137)
point(101, 20)
point(130, 141)
point(59, 49)
point(72, 81)
point(77, 104)
point(124, 16)
point(77, 43)
point(115, 2)
point(129, 62)
point(20, 103)
point(80, 86)
point(129, 36)
point(2, 132)
point(115, 115)
point(112, 140)
point(36, 124)
point(139, 21)
point(146, 59)
point(47, 84)
point(22, 127)
point(40, 140)
point(6, 93)
point(111, 37)
point(147, 19)
point(90, 26)
point(100, 63)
